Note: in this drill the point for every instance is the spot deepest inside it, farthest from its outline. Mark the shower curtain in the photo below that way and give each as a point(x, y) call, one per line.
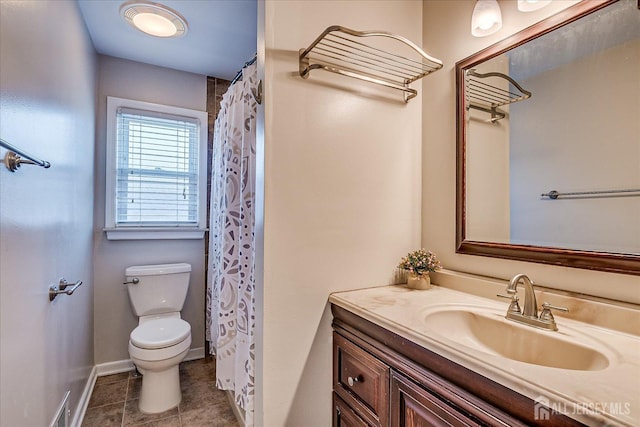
point(230, 278)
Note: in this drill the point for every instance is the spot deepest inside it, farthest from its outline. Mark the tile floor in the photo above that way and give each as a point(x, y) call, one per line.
point(114, 401)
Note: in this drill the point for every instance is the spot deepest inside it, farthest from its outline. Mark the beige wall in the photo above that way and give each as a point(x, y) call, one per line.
point(341, 197)
point(114, 318)
point(47, 108)
point(447, 30)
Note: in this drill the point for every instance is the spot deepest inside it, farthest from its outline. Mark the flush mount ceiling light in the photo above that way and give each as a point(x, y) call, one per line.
point(486, 18)
point(531, 5)
point(154, 19)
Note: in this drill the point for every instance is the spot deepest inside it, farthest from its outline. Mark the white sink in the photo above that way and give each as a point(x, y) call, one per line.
point(486, 330)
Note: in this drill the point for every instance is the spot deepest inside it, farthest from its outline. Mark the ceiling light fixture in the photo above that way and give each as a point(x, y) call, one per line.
point(531, 5)
point(486, 18)
point(154, 19)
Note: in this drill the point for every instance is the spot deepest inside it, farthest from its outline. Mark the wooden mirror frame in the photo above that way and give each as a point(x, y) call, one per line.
point(604, 261)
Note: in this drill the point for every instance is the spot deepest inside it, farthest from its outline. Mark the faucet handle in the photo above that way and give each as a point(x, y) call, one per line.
point(546, 314)
point(546, 306)
point(514, 307)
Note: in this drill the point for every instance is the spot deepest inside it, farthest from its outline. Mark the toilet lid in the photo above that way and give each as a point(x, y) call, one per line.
point(160, 333)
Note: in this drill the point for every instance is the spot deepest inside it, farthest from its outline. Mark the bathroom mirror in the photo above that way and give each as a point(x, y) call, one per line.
point(548, 142)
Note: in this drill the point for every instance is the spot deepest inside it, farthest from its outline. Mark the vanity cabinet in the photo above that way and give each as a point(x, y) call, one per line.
point(415, 406)
point(383, 380)
point(361, 380)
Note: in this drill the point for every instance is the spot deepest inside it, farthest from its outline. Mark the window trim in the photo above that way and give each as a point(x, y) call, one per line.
point(151, 232)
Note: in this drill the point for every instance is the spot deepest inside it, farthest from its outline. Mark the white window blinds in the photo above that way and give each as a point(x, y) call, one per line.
point(156, 169)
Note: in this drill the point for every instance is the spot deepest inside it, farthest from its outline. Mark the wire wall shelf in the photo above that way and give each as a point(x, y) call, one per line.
point(342, 51)
point(484, 96)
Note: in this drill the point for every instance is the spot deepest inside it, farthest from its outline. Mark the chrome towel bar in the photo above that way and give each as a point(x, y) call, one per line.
point(553, 194)
point(14, 158)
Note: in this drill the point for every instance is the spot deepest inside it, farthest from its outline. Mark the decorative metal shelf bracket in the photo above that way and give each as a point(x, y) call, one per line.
point(496, 113)
point(16, 157)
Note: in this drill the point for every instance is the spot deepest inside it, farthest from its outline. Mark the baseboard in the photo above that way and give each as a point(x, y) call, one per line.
point(84, 399)
point(116, 367)
point(195, 354)
point(126, 365)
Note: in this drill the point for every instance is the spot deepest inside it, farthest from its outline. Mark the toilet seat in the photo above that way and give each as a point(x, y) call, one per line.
point(159, 339)
point(160, 333)
point(138, 354)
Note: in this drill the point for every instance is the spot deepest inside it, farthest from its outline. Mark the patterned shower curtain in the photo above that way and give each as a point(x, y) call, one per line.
point(230, 279)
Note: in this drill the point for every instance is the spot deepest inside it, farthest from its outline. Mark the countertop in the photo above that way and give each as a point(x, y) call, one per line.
point(609, 396)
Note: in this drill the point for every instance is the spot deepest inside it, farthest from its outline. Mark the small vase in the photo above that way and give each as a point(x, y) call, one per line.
point(419, 281)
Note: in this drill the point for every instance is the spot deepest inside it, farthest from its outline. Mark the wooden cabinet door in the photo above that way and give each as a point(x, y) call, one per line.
point(414, 406)
point(361, 380)
point(344, 416)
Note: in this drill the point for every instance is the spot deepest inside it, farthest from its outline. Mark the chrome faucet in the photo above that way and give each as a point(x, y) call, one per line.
point(530, 308)
point(529, 313)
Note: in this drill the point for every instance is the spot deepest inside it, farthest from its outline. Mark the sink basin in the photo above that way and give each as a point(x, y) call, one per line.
point(489, 332)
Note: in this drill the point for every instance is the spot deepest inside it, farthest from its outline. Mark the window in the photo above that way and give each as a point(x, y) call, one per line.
point(156, 166)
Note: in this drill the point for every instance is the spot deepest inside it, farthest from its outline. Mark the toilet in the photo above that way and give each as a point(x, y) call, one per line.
point(162, 339)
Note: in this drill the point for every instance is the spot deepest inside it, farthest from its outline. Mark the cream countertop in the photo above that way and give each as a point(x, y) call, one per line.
point(596, 397)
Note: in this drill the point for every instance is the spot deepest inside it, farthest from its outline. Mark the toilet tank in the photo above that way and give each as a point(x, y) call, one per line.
point(161, 288)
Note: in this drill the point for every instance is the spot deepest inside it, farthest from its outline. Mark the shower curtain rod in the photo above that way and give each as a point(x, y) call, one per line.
point(246, 64)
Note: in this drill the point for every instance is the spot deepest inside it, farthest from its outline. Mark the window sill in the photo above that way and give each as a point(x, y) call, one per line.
point(154, 233)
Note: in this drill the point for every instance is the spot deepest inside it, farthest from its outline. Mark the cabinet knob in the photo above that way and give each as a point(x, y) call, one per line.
point(351, 380)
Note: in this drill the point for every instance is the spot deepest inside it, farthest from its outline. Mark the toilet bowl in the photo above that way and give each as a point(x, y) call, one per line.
point(156, 347)
point(162, 339)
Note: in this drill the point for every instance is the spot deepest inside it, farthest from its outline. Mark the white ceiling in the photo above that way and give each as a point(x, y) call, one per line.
point(220, 39)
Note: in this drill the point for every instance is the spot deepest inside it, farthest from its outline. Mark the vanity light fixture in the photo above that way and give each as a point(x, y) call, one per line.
point(531, 5)
point(154, 19)
point(486, 18)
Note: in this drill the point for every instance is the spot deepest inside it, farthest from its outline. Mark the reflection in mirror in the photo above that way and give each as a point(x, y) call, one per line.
point(549, 142)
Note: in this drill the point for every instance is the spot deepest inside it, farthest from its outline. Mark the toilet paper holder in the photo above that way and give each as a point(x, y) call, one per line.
point(63, 287)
